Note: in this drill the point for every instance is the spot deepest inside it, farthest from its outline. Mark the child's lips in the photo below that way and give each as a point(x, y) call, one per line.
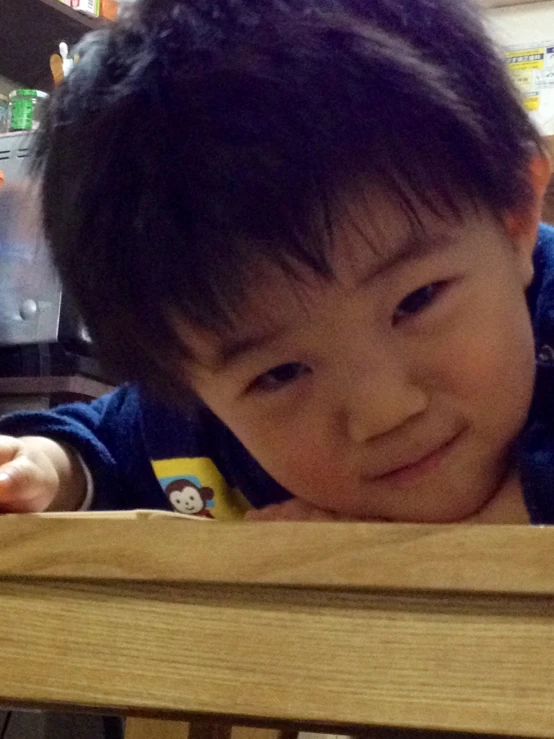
point(412, 471)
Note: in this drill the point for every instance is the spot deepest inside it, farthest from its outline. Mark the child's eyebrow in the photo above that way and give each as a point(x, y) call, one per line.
point(229, 351)
point(413, 246)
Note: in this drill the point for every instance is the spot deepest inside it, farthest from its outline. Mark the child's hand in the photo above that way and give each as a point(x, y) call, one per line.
point(38, 474)
point(296, 510)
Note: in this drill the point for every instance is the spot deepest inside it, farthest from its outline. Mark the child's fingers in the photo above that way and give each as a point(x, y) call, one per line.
point(261, 514)
point(300, 510)
point(9, 448)
point(20, 489)
point(291, 510)
point(288, 511)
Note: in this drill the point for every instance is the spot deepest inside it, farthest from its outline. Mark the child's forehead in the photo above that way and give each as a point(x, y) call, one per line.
point(371, 227)
point(370, 235)
point(367, 233)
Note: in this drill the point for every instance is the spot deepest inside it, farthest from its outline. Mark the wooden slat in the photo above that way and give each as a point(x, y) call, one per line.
point(165, 548)
point(451, 662)
point(144, 728)
point(251, 732)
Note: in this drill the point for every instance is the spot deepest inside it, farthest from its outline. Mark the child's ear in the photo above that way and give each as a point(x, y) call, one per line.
point(522, 224)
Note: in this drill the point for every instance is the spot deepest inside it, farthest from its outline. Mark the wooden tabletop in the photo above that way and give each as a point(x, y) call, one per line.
point(115, 546)
point(345, 625)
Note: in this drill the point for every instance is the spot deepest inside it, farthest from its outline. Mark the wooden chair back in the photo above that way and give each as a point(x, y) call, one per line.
point(341, 628)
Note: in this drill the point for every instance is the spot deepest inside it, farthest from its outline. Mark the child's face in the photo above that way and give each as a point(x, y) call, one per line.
point(396, 390)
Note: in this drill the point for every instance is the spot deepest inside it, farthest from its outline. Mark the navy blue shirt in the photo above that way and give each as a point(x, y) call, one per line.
point(144, 454)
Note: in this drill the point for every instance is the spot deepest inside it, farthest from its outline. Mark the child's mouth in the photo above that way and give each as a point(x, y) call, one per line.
point(414, 471)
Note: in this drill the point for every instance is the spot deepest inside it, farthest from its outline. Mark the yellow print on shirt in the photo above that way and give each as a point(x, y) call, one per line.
point(195, 486)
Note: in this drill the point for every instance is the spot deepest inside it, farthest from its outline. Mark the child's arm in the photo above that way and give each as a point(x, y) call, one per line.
point(101, 440)
point(38, 474)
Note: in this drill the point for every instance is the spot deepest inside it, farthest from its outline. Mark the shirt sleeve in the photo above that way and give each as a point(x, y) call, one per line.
point(107, 436)
point(89, 487)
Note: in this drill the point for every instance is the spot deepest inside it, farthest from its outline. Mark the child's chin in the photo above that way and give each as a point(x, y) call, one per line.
point(467, 513)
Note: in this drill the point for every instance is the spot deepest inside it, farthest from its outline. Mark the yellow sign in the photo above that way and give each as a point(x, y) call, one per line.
point(531, 101)
point(523, 78)
point(526, 59)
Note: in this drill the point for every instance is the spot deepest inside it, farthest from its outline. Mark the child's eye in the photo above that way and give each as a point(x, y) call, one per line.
point(418, 300)
point(279, 377)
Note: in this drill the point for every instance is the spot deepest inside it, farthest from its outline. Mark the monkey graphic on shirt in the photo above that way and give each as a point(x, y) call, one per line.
point(186, 497)
point(196, 487)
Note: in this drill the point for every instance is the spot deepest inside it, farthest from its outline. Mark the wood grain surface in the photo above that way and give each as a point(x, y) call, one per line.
point(157, 547)
point(144, 728)
point(450, 662)
point(337, 625)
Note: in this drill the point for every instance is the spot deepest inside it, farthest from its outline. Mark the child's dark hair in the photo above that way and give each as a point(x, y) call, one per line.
point(196, 138)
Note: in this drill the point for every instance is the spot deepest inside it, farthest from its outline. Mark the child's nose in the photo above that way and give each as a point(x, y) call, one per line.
point(381, 400)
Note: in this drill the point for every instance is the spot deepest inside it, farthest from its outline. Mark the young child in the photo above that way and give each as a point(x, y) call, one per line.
point(305, 233)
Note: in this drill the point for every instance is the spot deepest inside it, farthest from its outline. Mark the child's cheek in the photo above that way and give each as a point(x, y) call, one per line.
point(489, 365)
point(297, 450)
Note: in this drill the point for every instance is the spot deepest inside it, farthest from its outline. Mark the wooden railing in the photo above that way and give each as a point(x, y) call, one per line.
point(350, 626)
